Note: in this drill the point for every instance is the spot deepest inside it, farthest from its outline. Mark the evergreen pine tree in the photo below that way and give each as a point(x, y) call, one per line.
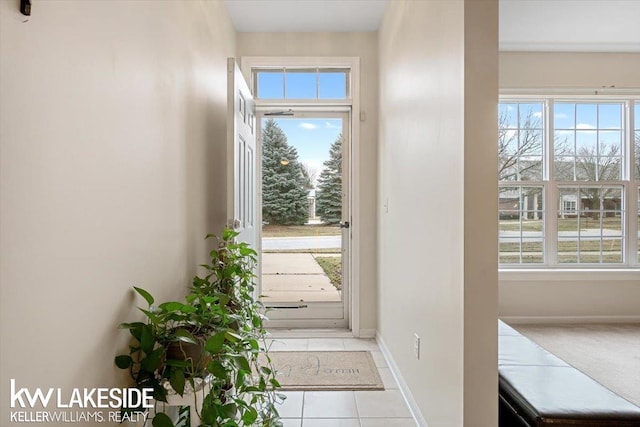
point(329, 195)
point(284, 196)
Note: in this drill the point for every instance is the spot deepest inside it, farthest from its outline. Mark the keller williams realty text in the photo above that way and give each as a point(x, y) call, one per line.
point(75, 417)
point(76, 400)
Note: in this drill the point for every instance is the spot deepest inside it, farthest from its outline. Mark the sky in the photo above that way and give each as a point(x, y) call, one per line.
point(312, 137)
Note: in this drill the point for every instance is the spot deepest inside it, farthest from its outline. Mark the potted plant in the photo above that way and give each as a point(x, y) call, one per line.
point(216, 336)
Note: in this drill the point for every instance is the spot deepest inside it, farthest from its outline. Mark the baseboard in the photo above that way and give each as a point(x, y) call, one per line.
point(404, 388)
point(367, 333)
point(569, 319)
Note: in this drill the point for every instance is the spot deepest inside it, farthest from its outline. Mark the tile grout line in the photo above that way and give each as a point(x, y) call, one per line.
point(355, 400)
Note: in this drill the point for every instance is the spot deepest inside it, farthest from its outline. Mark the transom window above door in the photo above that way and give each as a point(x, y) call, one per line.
point(301, 83)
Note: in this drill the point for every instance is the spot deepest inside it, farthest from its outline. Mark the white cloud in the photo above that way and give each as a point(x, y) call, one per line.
point(564, 133)
point(584, 126)
point(330, 125)
point(537, 114)
point(308, 126)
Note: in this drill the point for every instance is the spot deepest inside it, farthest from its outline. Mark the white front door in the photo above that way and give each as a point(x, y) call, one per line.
point(241, 157)
point(305, 256)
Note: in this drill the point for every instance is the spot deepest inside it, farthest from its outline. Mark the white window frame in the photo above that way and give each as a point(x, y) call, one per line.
point(570, 206)
point(351, 104)
point(551, 269)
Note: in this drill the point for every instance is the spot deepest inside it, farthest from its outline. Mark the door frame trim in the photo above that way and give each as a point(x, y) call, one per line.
point(353, 63)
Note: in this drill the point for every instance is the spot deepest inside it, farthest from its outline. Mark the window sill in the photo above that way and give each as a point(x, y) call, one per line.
point(595, 274)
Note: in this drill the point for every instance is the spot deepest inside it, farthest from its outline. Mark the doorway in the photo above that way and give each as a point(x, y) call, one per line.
point(305, 215)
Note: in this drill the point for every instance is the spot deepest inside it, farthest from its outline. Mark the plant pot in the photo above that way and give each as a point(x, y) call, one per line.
point(195, 353)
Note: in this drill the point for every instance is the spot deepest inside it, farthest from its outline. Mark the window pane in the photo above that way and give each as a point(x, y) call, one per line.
point(610, 116)
point(508, 116)
point(530, 168)
point(590, 225)
point(564, 115)
point(586, 142)
point(333, 85)
point(521, 226)
point(586, 168)
point(586, 116)
point(300, 85)
point(270, 85)
point(564, 168)
point(567, 250)
point(530, 116)
point(564, 143)
point(594, 142)
point(532, 251)
point(520, 141)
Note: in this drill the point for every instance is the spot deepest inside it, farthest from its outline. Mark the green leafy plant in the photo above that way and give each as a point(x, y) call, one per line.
point(214, 340)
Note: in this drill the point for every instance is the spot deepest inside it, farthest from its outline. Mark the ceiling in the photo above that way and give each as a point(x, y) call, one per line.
point(306, 15)
point(529, 25)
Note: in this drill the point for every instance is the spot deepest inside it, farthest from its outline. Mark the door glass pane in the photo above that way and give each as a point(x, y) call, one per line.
point(301, 210)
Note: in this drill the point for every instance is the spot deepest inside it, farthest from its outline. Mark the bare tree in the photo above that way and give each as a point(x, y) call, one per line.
point(593, 167)
point(515, 146)
point(310, 174)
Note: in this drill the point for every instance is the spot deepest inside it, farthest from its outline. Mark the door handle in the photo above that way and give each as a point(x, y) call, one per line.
point(345, 224)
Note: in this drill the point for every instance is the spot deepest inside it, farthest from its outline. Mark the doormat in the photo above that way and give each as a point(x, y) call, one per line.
point(326, 370)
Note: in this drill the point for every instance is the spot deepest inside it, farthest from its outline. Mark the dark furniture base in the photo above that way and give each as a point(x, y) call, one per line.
point(537, 389)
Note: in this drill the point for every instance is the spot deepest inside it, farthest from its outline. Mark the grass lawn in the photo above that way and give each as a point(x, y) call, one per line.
point(332, 266)
point(564, 224)
point(303, 251)
point(274, 230)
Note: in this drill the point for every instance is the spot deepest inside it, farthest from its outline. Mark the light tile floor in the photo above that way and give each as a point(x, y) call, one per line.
point(384, 408)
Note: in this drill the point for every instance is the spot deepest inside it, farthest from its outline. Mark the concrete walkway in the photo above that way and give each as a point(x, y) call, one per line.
point(295, 278)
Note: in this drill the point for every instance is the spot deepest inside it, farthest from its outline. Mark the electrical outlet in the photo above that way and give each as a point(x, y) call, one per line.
point(416, 345)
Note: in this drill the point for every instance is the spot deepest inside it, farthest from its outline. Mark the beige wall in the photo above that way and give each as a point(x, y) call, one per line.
point(364, 46)
point(596, 297)
point(112, 133)
point(569, 70)
point(579, 300)
point(437, 263)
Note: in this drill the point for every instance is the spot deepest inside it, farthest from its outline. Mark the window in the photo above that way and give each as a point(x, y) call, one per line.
point(636, 169)
point(568, 173)
point(592, 233)
point(569, 205)
point(301, 83)
point(520, 167)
